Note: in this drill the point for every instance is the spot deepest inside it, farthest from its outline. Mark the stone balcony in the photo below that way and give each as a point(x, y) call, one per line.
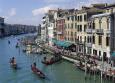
point(88, 44)
point(108, 32)
point(89, 31)
point(99, 31)
point(59, 32)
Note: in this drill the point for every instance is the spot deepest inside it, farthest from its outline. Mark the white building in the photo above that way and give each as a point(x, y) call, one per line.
point(50, 32)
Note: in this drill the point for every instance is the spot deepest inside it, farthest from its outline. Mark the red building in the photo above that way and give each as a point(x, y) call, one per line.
point(60, 25)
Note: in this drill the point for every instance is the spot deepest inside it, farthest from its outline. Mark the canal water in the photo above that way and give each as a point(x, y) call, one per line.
point(61, 72)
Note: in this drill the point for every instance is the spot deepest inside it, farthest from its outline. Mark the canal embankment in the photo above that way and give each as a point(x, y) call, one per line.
point(95, 67)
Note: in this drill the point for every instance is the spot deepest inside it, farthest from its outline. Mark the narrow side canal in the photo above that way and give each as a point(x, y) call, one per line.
point(61, 72)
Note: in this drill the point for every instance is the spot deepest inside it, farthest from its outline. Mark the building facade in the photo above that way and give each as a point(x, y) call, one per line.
point(101, 34)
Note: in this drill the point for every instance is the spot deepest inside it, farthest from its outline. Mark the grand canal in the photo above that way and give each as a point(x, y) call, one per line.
point(61, 72)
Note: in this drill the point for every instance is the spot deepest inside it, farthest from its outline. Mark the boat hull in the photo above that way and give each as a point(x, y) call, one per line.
point(38, 73)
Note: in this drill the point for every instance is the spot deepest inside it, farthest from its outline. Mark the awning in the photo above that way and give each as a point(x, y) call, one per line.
point(61, 43)
point(113, 54)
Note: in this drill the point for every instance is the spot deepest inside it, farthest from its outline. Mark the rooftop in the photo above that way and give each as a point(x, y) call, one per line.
point(101, 15)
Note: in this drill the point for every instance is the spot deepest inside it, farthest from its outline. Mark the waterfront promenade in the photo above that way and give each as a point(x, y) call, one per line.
point(72, 57)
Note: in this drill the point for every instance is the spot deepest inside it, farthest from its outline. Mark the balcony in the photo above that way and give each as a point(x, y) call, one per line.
point(88, 44)
point(80, 42)
point(108, 32)
point(59, 33)
point(99, 31)
point(89, 31)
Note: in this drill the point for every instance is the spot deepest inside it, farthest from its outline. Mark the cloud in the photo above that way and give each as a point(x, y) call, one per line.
point(12, 12)
point(57, 1)
point(43, 10)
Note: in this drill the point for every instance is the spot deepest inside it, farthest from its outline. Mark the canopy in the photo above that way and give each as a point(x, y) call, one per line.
point(113, 54)
point(61, 43)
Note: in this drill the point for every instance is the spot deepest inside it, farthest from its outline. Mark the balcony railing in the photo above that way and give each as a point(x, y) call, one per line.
point(80, 42)
point(89, 44)
point(100, 31)
point(108, 32)
point(59, 33)
point(89, 31)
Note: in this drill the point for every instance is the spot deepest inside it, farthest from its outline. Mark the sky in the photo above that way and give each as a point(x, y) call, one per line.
point(30, 12)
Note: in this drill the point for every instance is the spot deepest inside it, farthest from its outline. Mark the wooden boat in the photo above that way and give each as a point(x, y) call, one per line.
point(47, 62)
point(80, 66)
point(38, 72)
point(52, 60)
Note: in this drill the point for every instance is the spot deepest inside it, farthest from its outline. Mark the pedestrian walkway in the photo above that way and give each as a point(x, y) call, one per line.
point(73, 56)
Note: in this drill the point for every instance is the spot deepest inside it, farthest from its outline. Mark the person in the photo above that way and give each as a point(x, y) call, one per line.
point(45, 59)
point(8, 42)
point(13, 61)
point(34, 67)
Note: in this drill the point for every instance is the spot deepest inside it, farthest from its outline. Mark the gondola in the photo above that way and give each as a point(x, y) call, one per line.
point(38, 72)
point(47, 62)
point(51, 61)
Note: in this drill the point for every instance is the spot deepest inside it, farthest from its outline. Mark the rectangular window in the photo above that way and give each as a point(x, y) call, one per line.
point(85, 38)
point(85, 18)
point(75, 18)
point(75, 34)
point(80, 28)
point(100, 40)
point(68, 33)
point(68, 25)
point(71, 33)
point(68, 18)
point(72, 18)
point(68, 38)
point(95, 52)
point(78, 18)
point(85, 26)
point(93, 25)
point(99, 53)
point(72, 25)
point(93, 38)
point(107, 41)
point(81, 18)
point(75, 25)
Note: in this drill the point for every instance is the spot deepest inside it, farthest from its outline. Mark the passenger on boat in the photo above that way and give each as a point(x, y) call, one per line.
point(8, 42)
point(13, 61)
point(34, 67)
point(45, 59)
point(52, 59)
